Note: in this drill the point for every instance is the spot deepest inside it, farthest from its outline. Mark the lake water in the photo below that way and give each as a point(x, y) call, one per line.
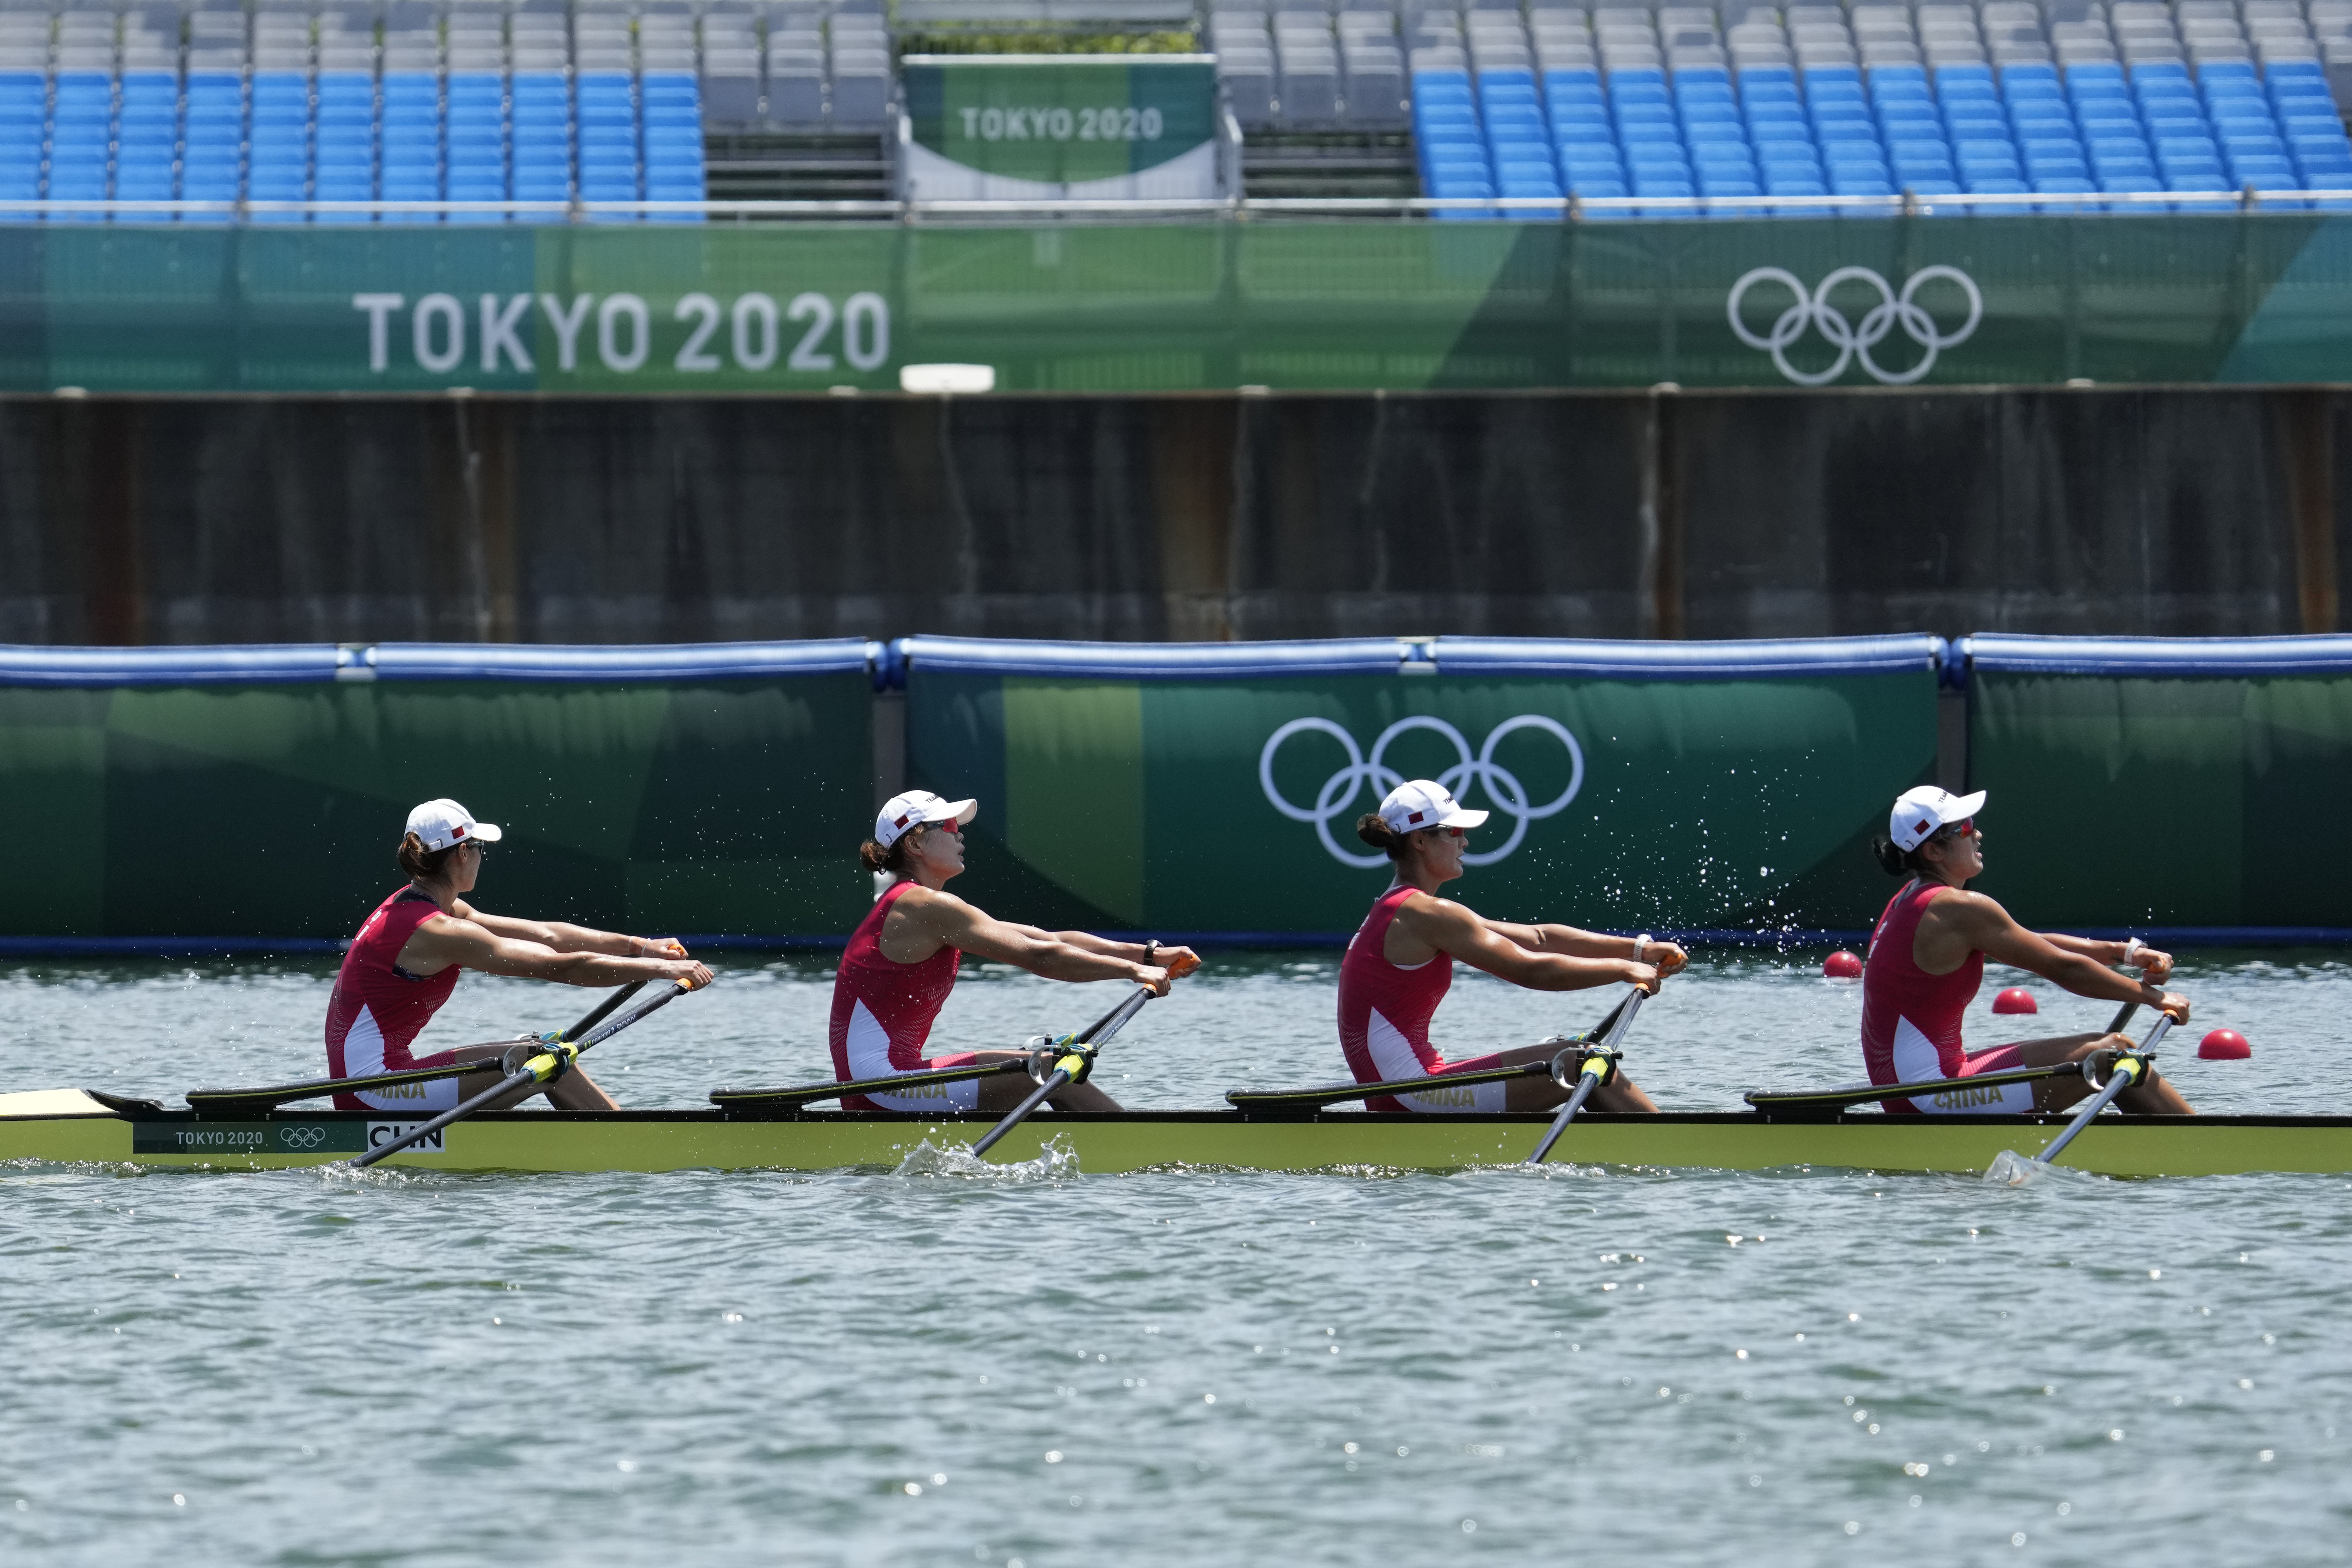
point(1193, 1367)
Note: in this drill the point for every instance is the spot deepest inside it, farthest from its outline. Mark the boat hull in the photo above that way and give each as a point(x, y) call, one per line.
point(1133, 1141)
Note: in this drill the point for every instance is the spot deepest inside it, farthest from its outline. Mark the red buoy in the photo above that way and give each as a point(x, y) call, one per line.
point(2016, 999)
point(1843, 965)
point(2225, 1046)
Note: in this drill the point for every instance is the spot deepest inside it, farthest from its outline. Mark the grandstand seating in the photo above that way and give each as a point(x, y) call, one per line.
point(2199, 99)
point(357, 100)
point(277, 103)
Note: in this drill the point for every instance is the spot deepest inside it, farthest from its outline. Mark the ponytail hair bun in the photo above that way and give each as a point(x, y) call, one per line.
point(1373, 829)
point(417, 861)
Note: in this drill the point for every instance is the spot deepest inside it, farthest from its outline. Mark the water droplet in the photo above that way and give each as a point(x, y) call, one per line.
point(914, 1488)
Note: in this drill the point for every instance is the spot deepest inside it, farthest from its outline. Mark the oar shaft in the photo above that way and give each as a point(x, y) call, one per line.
point(1054, 1084)
point(603, 1010)
point(2116, 1083)
point(418, 1134)
point(1585, 1084)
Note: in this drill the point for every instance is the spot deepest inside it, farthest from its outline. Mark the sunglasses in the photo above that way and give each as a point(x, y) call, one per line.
point(1960, 829)
point(950, 825)
point(1446, 832)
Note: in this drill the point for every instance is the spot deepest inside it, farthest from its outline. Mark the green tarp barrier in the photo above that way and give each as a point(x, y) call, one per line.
point(2131, 794)
point(705, 807)
point(1224, 799)
point(1083, 307)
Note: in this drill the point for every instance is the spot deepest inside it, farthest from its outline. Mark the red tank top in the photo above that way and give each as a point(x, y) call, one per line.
point(882, 1009)
point(1385, 1008)
point(1908, 1014)
point(378, 1008)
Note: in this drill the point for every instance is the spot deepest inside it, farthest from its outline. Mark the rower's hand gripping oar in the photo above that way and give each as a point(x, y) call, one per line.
point(526, 1065)
point(1072, 1056)
point(1596, 1065)
point(241, 1101)
point(2132, 1067)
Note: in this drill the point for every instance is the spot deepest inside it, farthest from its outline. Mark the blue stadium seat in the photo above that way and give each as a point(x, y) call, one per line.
point(345, 163)
point(610, 140)
point(672, 140)
point(81, 137)
point(477, 131)
point(278, 166)
point(411, 166)
point(147, 140)
point(212, 156)
point(1450, 141)
point(541, 127)
point(23, 119)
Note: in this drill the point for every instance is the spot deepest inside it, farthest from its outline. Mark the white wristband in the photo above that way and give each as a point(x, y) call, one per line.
point(1641, 946)
point(2132, 949)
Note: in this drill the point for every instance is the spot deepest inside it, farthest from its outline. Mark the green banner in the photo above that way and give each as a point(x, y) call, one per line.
point(275, 810)
point(1082, 308)
point(1230, 804)
point(2125, 802)
point(1065, 119)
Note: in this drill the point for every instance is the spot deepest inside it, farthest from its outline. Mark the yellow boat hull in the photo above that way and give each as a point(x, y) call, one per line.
point(67, 1127)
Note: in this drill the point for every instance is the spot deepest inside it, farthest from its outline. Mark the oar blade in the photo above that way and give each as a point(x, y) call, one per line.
point(2011, 1169)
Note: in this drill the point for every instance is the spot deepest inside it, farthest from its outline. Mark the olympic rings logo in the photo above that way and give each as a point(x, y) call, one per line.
point(1338, 795)
point(301, 1137)
point(1854, 342)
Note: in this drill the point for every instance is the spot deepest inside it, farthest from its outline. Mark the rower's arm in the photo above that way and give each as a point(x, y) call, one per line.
point(1458, 933)
point(1161, 954)
point(957, 924)
point(2157, 963)
point(564, 938)
point(1983, 923)
point(1551, 938)
point(442, 940)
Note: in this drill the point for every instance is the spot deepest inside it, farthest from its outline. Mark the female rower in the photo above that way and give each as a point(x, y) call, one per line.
point(1927, 959)
point(406, 961)
point(1401, 963)
point(901, 964)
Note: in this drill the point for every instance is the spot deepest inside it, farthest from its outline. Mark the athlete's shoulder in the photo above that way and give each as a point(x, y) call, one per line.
point(1960, 906)
point(1418, 906)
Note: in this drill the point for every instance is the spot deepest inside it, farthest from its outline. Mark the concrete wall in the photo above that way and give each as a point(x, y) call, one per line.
point(126, 519)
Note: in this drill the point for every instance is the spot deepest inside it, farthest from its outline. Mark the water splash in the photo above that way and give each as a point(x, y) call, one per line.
point(1054, 1161)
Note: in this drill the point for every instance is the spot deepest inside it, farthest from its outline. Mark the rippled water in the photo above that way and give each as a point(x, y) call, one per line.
point(1178, 1367)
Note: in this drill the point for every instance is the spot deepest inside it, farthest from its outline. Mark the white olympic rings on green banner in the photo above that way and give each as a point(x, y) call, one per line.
point(1337, 796)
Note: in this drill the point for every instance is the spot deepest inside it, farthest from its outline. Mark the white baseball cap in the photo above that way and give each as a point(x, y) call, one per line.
point(1417, 804)
point(438, 824)
point(916, 808)
point(1919, 813)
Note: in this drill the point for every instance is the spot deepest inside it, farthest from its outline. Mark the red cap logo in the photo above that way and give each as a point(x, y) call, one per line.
point(902, 821)
point(1414, 817)
point(1920, 826)
point(458, 832)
